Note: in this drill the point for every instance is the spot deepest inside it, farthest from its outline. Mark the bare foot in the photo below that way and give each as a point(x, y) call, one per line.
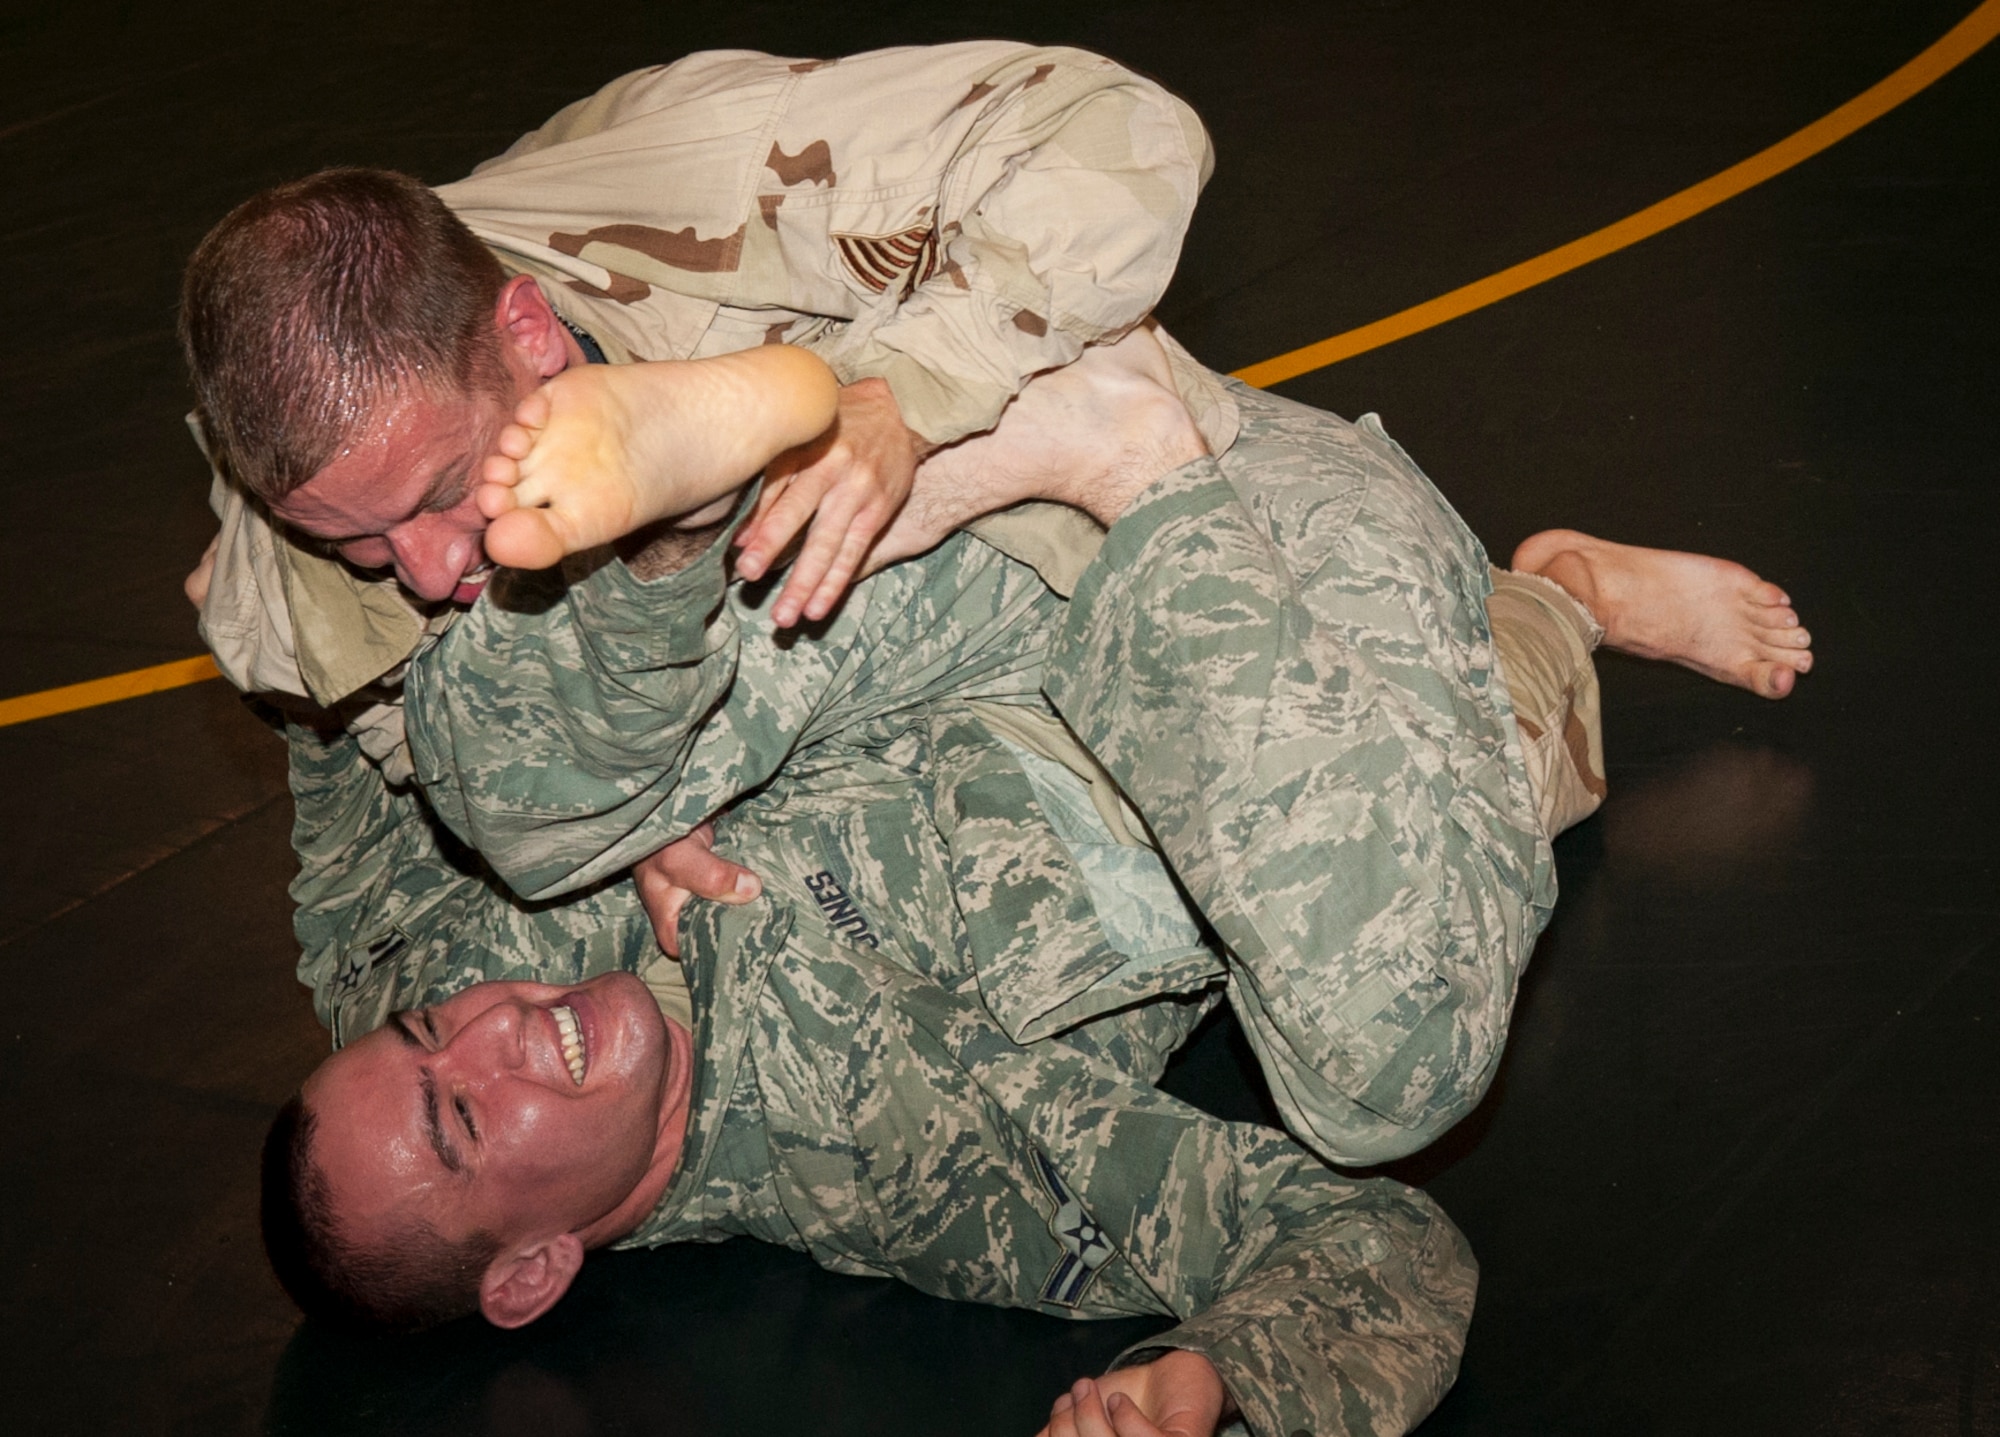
point(1093, 434)
point(601, 450)
point(1708, 614)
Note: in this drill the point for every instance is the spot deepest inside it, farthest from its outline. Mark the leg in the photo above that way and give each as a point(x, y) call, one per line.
point(1708, 614)
point(1544, 639)
point(1092, 434)
point(1284, 658)
point(601, 450)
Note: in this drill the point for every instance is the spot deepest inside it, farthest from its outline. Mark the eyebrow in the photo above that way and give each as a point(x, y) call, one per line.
point(448, 478)
point(404, 1022)
point(434, 1130)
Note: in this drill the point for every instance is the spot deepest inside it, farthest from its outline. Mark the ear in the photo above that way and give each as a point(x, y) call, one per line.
point(534, 338)
point(522, 1285)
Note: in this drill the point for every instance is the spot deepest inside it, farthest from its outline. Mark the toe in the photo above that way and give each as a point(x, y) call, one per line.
point(524, 539)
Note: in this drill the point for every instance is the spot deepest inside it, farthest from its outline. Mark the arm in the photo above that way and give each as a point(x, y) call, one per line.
point(393, 912)
point(1324, 1303)
point(565, 730)
point(945, 221)
point(1064, 184)
point(1065, 187)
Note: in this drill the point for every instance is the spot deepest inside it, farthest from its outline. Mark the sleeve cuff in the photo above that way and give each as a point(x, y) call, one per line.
point(636, 624)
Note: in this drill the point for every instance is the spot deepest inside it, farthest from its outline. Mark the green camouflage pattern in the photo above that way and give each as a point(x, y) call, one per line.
point(852, 1106)
point(566, 729)
point(856, 1100)
point(394, 912)
point(1283, 657)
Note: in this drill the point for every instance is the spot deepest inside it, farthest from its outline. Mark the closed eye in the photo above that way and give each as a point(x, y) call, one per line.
point(465, 1116)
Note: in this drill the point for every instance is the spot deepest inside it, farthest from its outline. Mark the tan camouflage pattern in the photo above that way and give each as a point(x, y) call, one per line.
point(949, 218)
point(1062, 154)
point(1545, 639)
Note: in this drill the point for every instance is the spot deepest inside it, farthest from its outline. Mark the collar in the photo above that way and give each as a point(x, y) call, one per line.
point(592, 351)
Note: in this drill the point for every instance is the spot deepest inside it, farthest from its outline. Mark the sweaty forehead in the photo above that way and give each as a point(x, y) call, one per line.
point(369, 1131)
point(404, 463)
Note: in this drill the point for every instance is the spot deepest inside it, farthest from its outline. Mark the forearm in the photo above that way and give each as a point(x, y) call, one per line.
point(1344, 1312)
point(1327, 1304)
point(555, 722)
point(392, 913)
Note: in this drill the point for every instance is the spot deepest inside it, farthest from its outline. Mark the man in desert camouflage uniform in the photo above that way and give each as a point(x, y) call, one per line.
point(949, 220)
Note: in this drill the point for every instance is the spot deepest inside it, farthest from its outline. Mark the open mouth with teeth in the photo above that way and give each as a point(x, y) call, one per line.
point(472, 583)
point(571, 1033)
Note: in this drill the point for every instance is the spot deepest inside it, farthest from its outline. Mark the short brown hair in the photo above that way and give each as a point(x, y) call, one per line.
point(312, 301)
point(417, 1281)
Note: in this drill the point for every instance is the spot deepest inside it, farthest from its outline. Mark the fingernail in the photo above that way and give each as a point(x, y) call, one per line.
point(747, 885)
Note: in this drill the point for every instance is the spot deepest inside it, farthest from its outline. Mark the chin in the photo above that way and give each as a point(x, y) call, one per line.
point(642, 1029)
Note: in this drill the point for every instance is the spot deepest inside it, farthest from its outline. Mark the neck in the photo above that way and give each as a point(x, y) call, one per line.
point(676, 1105)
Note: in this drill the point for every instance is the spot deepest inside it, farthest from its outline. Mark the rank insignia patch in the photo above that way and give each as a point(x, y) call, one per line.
point(904, 260)
point(1084, 1245)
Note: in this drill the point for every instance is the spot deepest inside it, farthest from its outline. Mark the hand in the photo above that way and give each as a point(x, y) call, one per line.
point(195, 585)
point(688, 868)
point(1178, 1395)
point(850, 482)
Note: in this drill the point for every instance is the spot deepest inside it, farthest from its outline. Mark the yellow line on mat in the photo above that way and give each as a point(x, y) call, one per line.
point(1958, 44)
point(107, 691)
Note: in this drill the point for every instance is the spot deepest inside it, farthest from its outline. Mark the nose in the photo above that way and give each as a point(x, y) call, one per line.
point(492, 1042)
point(432, 554)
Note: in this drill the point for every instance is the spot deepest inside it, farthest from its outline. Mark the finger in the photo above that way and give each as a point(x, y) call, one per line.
point(768, 493)
point(663, 902)
point(1126, 1418)
point(772, 531)
point(693, 865)
point(1091, 1418)
point(840, 573)
point(823, 546)
point(196, 584)
point(667, 922)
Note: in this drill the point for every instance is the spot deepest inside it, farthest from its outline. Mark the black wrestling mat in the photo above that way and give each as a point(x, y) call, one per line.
point(1739, 1172)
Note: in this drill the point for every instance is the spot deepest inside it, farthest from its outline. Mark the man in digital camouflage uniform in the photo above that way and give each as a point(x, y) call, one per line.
point(852, 1096)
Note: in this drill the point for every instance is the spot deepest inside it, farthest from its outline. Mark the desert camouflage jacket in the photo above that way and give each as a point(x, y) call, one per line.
point(951, 219)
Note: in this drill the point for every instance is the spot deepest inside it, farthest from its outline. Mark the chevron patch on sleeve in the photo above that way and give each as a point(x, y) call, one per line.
point(1085, 1248)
